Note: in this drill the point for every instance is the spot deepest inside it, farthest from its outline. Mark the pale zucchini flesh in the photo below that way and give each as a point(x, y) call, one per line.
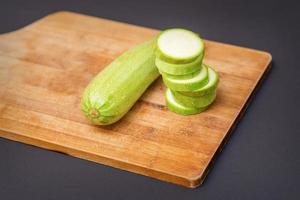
point(110, 95)
point(179, 45)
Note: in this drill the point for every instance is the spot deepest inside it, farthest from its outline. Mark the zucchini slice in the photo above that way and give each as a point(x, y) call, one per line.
point(179, 45)
point(187, 84)
point(213, 80)
point(176, 107)
point(181, 77)
point(198, 102)
point(179, 69)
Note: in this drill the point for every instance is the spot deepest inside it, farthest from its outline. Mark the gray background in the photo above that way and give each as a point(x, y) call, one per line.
point(261, 159)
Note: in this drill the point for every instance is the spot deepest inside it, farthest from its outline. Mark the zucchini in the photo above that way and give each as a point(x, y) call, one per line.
point(176, 107)
point(190, 84)
point(213, 80)
point(179, 45)
point(181, 77)
point(179, 69)
point(198, 102)
point(110, 95)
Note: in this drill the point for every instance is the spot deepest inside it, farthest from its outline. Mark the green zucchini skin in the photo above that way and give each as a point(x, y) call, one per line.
point(111, 94)
point(189, 84)
point(177, 107)
point(213, 80)
point(180, 77)
point(179, 69)
point(198, 102)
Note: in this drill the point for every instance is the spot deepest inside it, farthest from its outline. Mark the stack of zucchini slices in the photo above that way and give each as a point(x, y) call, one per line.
point(191, 85)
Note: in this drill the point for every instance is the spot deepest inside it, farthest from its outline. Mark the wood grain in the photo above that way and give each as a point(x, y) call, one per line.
point(45, 66)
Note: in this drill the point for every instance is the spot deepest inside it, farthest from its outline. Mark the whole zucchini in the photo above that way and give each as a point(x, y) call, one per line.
point(110, 95)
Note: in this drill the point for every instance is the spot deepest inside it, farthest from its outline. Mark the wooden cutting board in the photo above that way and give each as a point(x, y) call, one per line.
point(45, 66)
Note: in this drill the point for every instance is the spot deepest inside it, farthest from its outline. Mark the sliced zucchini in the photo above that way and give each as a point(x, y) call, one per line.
point(198, 102)
point(213, 80)
point(178, 108)
point(179, 69)
point(181, 77)
point(179, 45)
point(187, 84)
